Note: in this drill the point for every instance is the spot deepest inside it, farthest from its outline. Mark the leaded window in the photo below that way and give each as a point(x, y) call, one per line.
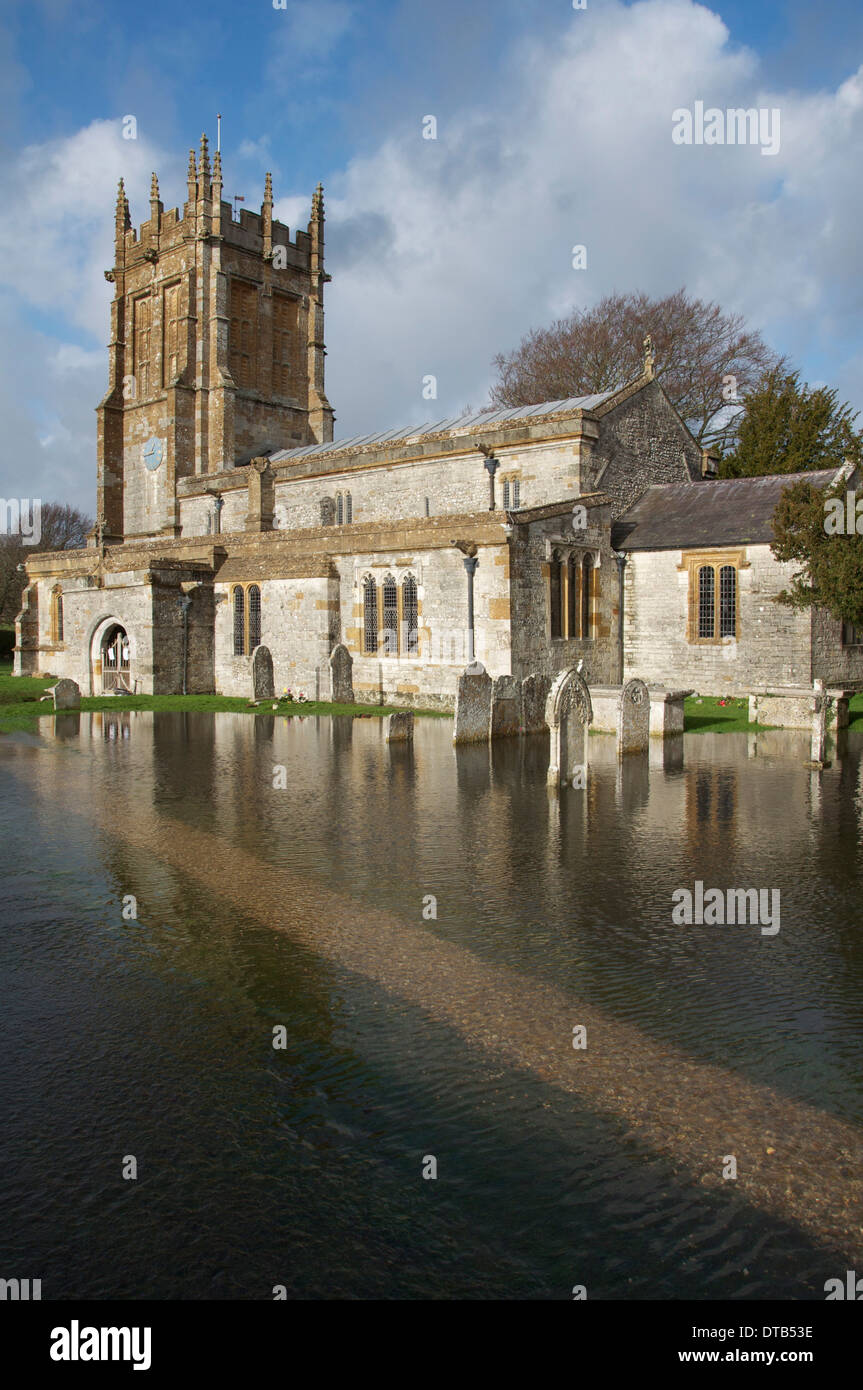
point(728, 601)
point(349, 507)
point(390, 595)
point(706, 602)
point(410, 615)
point(239, 622)
point(340, 509)
point(254, 617)
point(516, 494)
point(370, 616)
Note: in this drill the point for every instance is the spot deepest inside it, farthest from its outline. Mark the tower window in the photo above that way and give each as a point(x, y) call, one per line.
point(141, 346)
point(242, 354)
point(284, 345)
point(171, 323)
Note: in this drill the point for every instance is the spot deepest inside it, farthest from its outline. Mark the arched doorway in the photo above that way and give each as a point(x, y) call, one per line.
point(115, 653)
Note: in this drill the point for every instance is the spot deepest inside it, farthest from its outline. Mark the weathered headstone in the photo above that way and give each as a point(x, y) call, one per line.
point(505, 707)
point(263, 685)
point(633, 719)
point(67, 695)
point(534, 694)
point(568, 713)
point(473, 705)
point(341, 670)
point(400, 726)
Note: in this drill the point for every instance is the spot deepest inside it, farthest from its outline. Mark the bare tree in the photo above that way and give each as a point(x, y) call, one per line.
point(707, 360)
point(62, 528)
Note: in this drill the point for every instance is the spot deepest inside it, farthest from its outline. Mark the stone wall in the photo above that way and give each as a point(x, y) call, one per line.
point(533, 648)
point(831, 662)
point(773, 643)
point(642, 441)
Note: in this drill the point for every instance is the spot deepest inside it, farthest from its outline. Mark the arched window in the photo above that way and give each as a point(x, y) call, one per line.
point(706, 601)
point(572, 612)
point(57, 615)
point(556, 573)
point(254, 617)
point(410, 616)
point(506, 495)
point(340, 509)
point(516, 494)
point(349, 507)
point(391, 616)
point(586, 583)
point(728, 601)
point(370, 616)
point(239, 622)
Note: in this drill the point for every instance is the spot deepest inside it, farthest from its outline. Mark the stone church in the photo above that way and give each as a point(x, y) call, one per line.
point(529, 539)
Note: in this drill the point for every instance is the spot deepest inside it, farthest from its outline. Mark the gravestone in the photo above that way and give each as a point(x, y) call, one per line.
point(534, 694)
point(341, 673)
point(263, 685)
point(473, 705)
point(67, 695)
point(568, 713)
point(505, 707)
point(400, 727)
point(633, 718)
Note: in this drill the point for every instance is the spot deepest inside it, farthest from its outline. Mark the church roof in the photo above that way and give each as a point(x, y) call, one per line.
point(456, 424)
point(727, 511)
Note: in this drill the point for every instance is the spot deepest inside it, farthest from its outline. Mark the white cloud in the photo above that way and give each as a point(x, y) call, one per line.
point(445, 252)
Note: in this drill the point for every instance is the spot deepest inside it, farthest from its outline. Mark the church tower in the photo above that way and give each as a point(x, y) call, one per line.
point(217, 347)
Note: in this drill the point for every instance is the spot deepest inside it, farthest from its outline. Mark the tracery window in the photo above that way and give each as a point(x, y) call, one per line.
point(586, 596)
point(390, 595)
point(370, 616)
point(247, 618)
point(410, 615)
point(714, 594)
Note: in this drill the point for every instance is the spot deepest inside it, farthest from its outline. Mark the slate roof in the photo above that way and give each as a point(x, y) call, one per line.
point(727, 511)
point(456, 424)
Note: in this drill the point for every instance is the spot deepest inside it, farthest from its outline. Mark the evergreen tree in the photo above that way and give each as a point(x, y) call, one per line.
point(788, 428)
point(831, 560)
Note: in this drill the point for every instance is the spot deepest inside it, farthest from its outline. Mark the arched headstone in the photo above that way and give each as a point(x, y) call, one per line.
point(473, 705)
point(67, 695)
point(341, 672)
point(568, 714)
point(633, 718)
point(263, 685)
point(505, 707)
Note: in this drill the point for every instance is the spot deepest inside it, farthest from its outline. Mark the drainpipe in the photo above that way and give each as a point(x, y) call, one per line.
point(621, 558)
point(470, 565)
point(492, 464)
point(184, 603)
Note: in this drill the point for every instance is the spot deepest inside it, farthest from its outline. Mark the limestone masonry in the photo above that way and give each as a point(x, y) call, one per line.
point(526, 540)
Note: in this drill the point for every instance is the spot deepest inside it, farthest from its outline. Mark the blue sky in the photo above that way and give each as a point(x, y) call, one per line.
point(554, 129)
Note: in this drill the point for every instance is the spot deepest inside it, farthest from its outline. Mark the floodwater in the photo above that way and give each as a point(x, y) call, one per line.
point(411, 1042)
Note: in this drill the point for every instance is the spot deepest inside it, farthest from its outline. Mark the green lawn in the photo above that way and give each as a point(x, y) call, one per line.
point(714, 714)
point(20, 703)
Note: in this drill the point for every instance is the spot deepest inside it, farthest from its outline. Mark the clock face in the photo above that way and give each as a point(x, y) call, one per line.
point(154, 452)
